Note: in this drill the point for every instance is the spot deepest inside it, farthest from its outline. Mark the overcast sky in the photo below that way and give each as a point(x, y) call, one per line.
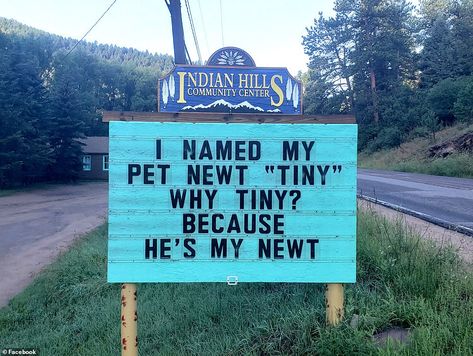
point(270, 31)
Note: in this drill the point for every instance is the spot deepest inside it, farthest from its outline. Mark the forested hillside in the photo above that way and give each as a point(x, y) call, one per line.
point(403, 71)
point(50, 96)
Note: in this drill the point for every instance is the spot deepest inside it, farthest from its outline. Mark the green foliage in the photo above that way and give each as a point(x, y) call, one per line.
point(69, 111)
point(401, 281)
point(429, 125)
point(49, 98)
point(457, 165)
point(442, 97)
point(393, 69)
point(329, 44)
point(410, 157)
point(49, 44)
point(426, 288)
point(438, 60)
point(463, 107)
point(319, 98)
point(451, 100)
point(23, 145)
point(401, 109)
point(387, 137)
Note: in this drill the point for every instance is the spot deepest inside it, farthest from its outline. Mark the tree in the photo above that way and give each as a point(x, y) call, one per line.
point(438, 58)
point(447, 40)
point(363, 52)
point(463, 106)
point(384, 50)
point(70, 109)
point(48, 100)
point(24, 153)
point(330, 45)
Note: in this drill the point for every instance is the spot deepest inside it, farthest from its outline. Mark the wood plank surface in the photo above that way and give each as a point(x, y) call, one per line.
point(143, 212)
point(226, 118)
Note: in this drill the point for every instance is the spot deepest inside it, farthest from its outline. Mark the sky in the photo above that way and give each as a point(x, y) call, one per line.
point(269, 30)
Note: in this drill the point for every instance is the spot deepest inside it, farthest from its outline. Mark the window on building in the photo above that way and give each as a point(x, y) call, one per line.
point(86, 163)
point(105, 162)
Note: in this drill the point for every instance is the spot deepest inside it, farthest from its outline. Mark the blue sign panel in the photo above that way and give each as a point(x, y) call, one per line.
point(217, 202)
point(230, 86)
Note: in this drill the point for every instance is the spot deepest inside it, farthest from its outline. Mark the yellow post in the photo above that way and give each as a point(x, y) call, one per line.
point(334, 303)
point(129, 320)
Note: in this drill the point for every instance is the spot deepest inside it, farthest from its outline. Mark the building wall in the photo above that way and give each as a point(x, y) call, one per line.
point(96, 171)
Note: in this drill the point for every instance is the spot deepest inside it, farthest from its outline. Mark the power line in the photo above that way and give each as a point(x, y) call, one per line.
point(221, 23)
point(90, 29)
point(203, 26)
point(187, 54)
point(194, 34)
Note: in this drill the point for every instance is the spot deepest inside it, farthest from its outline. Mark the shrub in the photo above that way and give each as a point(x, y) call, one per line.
point(387, 138)
point(442, 98)
point(463, 107)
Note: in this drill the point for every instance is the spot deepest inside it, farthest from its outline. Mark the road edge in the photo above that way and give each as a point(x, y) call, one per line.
point(431, 219)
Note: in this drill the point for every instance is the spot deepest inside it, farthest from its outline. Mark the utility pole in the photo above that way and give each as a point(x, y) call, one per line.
point(174, 7)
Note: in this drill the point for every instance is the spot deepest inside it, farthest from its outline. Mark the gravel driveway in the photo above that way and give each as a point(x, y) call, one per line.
point(35, 226)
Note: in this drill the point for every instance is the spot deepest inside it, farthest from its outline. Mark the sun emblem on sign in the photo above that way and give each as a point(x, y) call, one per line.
point(231, 58)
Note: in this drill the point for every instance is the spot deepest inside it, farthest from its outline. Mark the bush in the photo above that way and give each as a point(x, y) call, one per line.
point(463, 107)
point(387, 138)
point(442, 98)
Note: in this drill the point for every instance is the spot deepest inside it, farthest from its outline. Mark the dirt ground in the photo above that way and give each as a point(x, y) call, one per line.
point(463, 244)
point(36, 226)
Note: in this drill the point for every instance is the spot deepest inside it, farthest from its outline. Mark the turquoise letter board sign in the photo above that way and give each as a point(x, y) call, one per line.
point(203, 202)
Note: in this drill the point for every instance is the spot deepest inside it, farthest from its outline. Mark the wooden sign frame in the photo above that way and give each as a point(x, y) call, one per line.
point(334, 293)
point(226, 118)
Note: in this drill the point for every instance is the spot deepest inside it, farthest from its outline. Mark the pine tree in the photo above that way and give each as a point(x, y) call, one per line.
point(69, 110)
point(330, 46)
point(384, 50)
point(24, 153)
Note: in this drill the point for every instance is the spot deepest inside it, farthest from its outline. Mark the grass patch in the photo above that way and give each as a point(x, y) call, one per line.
point(412, 157)
point(457, 165)
point(402, 281)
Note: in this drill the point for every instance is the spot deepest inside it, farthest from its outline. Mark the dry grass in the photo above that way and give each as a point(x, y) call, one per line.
point(412, 156)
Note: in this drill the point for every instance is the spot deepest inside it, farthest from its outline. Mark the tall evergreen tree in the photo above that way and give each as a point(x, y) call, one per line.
point(448, 40)
point(47, 101)
point(384, 50)
point(330, 46)
point(24, 153)
point(69, 109)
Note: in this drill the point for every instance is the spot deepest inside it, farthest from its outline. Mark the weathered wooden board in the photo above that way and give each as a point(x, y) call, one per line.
point(225, 118)
point(308, 233)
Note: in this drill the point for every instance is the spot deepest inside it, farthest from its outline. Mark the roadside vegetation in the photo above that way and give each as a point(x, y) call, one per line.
point(51, 97)
point(414, 156)
point(403, 282)
point(403, 69)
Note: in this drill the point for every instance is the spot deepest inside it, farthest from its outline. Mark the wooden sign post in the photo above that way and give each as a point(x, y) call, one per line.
point(129, 320)
point(334, 303)
point(254, 193)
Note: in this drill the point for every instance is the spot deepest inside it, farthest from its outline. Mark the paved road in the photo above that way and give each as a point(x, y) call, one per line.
point(36, 226)
point(445, 199)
